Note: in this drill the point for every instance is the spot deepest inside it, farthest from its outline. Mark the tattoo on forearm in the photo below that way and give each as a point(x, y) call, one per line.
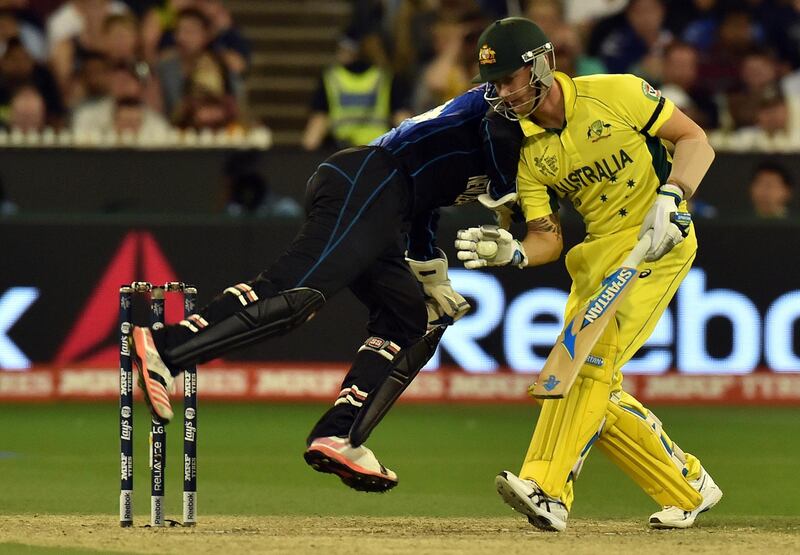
point(548, 224)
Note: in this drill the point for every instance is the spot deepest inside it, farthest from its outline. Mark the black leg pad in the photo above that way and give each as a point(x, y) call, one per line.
point(262, 319)
point(407, 365)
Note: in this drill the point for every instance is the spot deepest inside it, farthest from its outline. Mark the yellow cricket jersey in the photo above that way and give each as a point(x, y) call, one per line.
point(606, 160)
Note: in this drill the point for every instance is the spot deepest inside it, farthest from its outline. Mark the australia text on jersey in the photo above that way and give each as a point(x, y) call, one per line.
point(601, 169)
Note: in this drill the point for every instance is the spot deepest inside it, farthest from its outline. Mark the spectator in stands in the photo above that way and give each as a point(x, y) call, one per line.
point(777, 125)
point(584, 13)
point(771, 190)
point(192, 67)
point(122, 45)
point(759, 72)
point(17, 69)
point(72, 30)
point(451, 70)
point(638, 46)
point(784, 29)
point(697, 23)
point(128, 116)
point(720, 66)
point(355, 101)
point(99, 115)
point(679, 84)
point(121, 39)
point(93, 77)
point(598, 22)
point(209, 111)
point(227, 41)
point(570, 58)
point(548, 15)
point(158, 25)
point(27, 111)
point(411, 37)
point(28, 34)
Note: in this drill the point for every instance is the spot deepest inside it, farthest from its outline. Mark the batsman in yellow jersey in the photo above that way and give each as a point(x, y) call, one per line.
point(598, 141)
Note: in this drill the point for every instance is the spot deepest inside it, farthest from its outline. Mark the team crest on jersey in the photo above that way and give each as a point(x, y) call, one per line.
point(486, 55)
point(548, 165)
point(650, 91)
point(598, 130)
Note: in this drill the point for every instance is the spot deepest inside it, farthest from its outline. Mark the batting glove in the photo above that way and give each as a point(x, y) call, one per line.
point(444, 304)
point(489, 245)
point(669, 226)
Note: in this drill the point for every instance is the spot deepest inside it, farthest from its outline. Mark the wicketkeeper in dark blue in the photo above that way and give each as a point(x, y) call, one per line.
point(372, 214)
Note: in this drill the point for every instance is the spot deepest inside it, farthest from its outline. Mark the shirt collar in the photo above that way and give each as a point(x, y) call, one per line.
point(570, 93)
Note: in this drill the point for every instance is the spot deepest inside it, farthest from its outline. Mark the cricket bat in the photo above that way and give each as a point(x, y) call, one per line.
point(582, 332)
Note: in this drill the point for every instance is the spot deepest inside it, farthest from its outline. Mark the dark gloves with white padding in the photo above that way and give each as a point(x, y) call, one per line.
point(444, 304)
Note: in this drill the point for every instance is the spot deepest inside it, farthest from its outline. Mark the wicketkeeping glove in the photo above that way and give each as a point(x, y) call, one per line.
point(489, 245)
point(444, 304)
point(669, 226)
point(503, 207)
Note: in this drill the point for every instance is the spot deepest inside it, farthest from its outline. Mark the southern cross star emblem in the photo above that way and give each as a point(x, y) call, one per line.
point(631, 184)
point(603, 198)
point(623, 212)
point(613, 179)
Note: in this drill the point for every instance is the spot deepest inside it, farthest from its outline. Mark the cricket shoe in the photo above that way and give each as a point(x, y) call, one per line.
point(357, 467)
point(675, 517)
point(526, 497)
point(155, 379)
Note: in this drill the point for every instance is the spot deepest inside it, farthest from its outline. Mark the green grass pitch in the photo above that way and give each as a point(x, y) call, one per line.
point(63, 459)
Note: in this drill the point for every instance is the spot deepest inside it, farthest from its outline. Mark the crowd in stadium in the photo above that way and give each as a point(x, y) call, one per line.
point(126, 66)
point(146, 67)
point(732, 65)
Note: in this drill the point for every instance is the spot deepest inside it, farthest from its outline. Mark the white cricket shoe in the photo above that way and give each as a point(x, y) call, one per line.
point(675, 517)
point(357, 467)
point(526, 497)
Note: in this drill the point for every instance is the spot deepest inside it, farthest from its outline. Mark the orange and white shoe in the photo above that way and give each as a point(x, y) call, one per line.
point(155, 379)
point(357, 467)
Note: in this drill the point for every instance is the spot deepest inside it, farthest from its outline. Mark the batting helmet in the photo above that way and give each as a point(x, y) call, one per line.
point(507, 45)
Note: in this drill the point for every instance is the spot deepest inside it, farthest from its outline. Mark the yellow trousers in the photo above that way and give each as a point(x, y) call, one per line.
point(597, 410)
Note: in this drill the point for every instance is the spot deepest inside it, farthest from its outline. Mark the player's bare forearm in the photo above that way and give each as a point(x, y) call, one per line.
point(693, 154)
point(543, 242)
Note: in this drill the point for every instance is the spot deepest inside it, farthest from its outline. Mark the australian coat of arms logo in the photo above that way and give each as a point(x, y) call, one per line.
point(598, 130)
point(486, 55)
